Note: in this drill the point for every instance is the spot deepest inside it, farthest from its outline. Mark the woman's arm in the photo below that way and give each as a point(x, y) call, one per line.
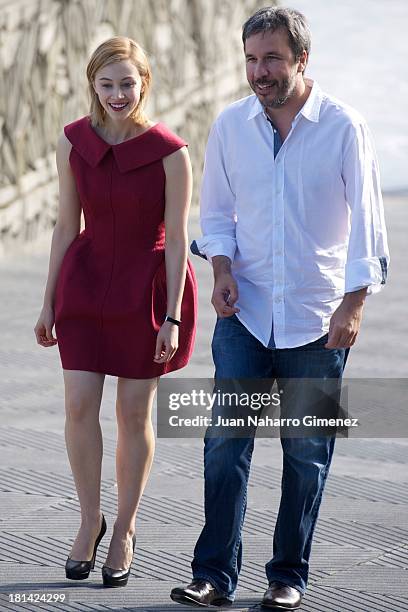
point(66, 229)
point(178, 196)
point(177, 167)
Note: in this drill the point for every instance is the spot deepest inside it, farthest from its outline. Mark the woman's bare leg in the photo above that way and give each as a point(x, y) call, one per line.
point(83, 437)
point(134, 456)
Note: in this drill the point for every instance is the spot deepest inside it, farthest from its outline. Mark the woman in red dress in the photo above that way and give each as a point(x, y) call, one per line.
point(121, 293)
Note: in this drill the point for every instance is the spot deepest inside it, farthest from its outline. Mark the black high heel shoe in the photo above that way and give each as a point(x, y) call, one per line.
point(117, 578)
point(79, 570)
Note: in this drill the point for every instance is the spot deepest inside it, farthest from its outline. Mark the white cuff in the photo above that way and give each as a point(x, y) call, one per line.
point(370, 272)
point(210, 246)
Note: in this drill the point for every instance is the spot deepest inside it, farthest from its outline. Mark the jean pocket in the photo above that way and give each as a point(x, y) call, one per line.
point(233, 316)
point(319, 342)
point(225, 329)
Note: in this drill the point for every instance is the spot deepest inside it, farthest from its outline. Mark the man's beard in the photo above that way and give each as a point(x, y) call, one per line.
point(284, 91)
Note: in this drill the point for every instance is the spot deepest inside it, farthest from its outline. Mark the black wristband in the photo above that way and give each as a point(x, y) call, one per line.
point(171, 320)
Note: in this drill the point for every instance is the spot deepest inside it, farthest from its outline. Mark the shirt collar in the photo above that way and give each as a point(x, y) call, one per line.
point(310, 110)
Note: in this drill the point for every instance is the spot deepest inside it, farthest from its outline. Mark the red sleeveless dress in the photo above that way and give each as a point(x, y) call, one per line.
point(111, 295)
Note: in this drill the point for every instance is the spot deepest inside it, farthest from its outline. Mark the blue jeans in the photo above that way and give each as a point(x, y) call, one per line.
point(306, 461)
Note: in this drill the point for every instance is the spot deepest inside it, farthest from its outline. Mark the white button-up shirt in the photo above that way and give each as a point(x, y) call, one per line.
point(301, 229)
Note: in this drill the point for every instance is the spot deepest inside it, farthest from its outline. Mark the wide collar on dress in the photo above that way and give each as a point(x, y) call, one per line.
point(134, 153)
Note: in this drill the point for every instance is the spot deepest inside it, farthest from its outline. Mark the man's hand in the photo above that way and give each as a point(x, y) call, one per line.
point(225, 292)
point(346, 320)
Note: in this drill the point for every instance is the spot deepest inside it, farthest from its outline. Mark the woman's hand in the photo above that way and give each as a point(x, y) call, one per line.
point(167, 342)
point(43, 328)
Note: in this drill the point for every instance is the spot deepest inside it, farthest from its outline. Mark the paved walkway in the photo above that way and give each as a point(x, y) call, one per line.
point(360, 554)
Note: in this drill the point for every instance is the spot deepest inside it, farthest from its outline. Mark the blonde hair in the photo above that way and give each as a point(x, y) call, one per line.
point(113, 50)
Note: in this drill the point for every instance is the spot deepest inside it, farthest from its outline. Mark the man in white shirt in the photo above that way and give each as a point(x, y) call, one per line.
point(293, 224)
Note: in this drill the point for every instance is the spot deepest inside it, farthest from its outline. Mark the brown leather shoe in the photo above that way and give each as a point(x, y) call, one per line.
point(200, 593)
point(281, 596)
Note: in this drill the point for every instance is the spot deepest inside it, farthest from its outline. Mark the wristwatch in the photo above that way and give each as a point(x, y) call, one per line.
point(171, 320)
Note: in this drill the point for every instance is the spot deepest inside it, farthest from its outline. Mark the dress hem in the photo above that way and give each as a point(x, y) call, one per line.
point(109, 372)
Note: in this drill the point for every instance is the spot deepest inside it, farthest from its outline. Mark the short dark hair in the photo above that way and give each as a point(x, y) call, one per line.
point(271, 18)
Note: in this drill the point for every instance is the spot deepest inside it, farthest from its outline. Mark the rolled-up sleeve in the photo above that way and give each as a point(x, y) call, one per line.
point(217, 205)
point(367, 255)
